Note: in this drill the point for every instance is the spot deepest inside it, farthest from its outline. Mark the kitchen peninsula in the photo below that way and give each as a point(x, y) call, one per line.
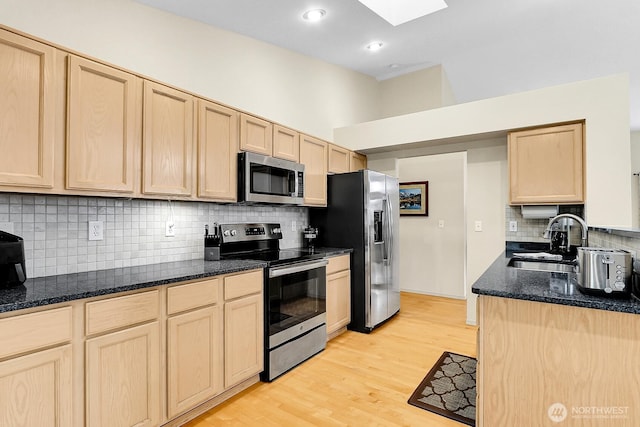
point(546, 350)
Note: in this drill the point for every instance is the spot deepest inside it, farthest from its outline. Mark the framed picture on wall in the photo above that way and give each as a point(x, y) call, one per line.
point(414, 198)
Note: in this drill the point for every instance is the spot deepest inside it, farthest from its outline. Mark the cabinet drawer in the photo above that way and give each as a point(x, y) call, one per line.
point(242, 284)
point(339, 263)
point(32, 331)
point(114, 313)
point(192, 295)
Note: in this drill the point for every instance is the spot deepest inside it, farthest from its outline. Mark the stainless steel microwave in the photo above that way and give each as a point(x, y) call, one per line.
point(264, 179)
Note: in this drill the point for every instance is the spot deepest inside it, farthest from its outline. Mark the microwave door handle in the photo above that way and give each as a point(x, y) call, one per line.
point(293, 183)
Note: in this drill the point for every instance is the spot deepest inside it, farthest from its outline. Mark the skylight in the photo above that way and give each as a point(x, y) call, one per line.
point(398, 12)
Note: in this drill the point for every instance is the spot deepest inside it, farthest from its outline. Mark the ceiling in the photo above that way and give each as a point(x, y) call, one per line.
point(487, 48)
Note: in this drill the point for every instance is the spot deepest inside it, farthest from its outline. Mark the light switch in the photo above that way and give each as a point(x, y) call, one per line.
point(478, 226)
point(441, 223)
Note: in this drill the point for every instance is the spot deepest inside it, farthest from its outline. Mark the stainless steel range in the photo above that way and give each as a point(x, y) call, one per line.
point(295, 294)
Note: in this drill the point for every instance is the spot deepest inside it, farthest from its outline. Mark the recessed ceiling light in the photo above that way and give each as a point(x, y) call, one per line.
point(394, 66)
point(375, 46)
point(398, 12)
point(314, 15)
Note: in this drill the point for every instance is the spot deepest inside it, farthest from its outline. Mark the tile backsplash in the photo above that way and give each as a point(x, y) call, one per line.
point(55, 229)
point(531, 230)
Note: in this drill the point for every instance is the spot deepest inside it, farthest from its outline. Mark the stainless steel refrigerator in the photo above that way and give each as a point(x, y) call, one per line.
point(363, 213)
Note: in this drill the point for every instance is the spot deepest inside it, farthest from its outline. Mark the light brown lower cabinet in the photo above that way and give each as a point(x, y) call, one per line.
point(243, 327)
point(36, 371)
point(534, 358)
point(194, 357)
point(123, 378)
point(153, 357)
point(36, 389)
point(338, 294)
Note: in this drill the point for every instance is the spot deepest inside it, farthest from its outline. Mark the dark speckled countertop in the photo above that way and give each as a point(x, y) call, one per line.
point(66, 287)
point(43, 291)
point(500, 280)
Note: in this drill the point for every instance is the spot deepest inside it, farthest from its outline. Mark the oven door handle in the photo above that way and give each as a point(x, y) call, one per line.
point(296, 268)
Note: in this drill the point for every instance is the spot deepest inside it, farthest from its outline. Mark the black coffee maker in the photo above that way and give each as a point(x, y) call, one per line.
point(12, 269)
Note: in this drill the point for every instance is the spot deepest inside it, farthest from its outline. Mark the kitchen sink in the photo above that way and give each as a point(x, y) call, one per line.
point(540, 265)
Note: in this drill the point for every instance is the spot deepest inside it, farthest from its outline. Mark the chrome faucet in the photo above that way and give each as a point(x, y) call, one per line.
point(583, 225)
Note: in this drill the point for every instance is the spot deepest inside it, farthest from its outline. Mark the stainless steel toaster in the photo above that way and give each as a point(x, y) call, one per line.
point(604, 271)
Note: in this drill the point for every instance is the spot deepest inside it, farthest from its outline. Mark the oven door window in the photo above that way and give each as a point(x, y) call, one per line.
point(296, 297)
point(271, 180)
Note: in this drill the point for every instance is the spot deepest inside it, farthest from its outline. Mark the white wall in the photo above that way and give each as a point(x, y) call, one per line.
point(417, 91)
point(432, 259)
point(283, 86)
point(603, 103)
point(487, 196)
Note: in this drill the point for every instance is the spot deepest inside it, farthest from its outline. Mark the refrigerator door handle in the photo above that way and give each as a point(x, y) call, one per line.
point(387, 229)
point(390, 235)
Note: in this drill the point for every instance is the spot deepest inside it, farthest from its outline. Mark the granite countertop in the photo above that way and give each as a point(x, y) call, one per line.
point(43, 291)
point(500, 280)
point(329, 252)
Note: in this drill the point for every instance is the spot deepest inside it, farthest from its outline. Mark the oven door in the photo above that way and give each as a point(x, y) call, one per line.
point(296, 300)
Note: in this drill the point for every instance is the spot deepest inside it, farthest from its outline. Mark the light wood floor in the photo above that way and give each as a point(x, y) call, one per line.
point(360, 379)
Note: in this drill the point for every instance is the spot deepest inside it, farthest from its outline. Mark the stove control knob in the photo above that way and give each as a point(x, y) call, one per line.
point(234, 232)
point(275, 231)
point(226, 233)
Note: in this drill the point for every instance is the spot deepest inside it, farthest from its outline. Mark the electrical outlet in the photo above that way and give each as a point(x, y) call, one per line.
point(96, 230)
point(478, 226)
point(293, 226)
point(170, 229)
point(7, 227)
point(441, 223)
point(513, 225)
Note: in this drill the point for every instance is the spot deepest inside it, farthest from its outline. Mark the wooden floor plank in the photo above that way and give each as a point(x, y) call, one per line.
point(360, 379)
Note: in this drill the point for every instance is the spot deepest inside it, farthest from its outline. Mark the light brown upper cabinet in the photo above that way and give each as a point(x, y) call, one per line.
point(313, 155)
point(357, 161)
point(27, 111)
point(546, 165)
point(167, 141)
point(217, 152)
point(286, 143)
point(338, 159)
point(256, 135)
point(104, 118)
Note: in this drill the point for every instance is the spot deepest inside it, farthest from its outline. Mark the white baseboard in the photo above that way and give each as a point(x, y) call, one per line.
point(435, 294)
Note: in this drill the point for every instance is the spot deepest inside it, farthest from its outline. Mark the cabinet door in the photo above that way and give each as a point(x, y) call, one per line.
point(338, 159)
point(27, 112)
point(255, 135)
point(243, 339)
point(36, 389)
point(313, 154)
point(195, 358)
point(546, 165)
point(357, 162)
point(167, 141)
point(103, 127)
point(286, 143)
point(338, 300)
point(217, 152)
point(123, 378)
